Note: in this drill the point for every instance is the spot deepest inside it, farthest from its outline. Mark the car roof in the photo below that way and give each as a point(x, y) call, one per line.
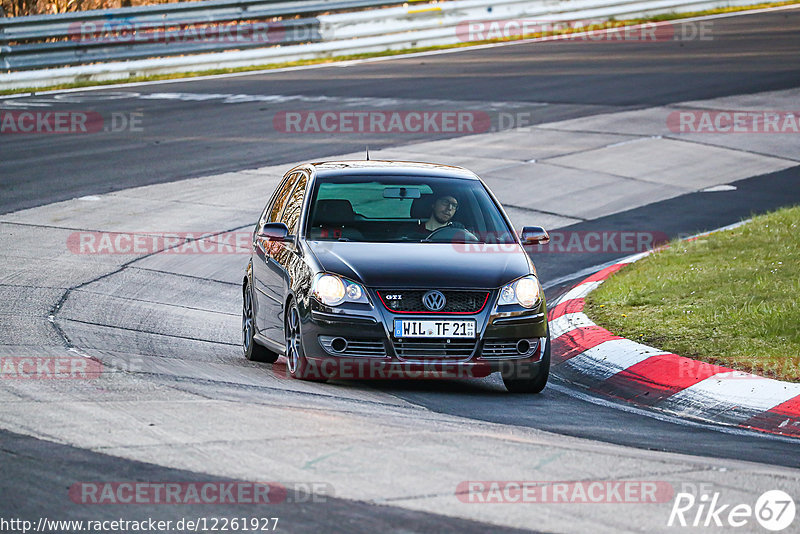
point(393, 168)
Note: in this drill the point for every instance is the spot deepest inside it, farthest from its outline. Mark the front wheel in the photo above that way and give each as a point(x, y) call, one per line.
point(299, 367)
point(521, 378)
point(252, 350)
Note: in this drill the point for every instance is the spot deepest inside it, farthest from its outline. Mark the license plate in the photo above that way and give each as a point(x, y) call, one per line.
point(434, 328)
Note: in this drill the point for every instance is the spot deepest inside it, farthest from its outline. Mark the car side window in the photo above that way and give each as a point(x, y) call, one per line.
point(282, 197)
point(294, 207)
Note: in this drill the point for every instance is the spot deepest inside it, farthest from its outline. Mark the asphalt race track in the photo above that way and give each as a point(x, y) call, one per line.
point(746, 55)
point(387, 455)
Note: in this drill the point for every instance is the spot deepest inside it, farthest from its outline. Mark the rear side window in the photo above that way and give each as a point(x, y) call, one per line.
point(294, 206)
point(282, 198)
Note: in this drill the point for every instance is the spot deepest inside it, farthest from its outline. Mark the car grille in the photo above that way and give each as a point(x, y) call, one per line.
point(506, 348)
point(434, 350)
point(411, 301)
point(370, 348)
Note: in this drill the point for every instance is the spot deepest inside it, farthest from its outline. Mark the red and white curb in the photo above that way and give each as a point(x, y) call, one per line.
point(593, 357)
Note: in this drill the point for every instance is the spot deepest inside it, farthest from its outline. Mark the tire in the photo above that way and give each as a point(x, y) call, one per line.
point(299, 367)
point(250, 347)
point(519, 379)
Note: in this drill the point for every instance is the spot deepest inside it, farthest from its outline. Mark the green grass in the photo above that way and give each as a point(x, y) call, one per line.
point(320, 61)
point(732, 298)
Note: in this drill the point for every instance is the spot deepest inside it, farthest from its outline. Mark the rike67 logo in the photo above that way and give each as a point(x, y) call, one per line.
point(774, 510)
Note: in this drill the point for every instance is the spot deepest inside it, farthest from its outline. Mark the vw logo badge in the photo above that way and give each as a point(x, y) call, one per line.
point(434, 300)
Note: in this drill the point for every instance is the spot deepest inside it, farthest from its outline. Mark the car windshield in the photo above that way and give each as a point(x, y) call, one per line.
point(404, 209)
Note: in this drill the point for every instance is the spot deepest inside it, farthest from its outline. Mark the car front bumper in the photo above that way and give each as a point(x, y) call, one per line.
point(359, 344)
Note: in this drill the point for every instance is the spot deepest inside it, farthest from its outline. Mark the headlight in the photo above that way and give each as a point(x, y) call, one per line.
point(333, 290)
point(524, 292)
point(527, 290)
point(330, 289)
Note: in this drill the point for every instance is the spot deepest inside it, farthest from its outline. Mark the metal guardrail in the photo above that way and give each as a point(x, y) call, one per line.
point(163, 30)
point(294, 31)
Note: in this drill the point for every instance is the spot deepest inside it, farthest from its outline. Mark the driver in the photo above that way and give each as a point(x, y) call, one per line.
point(442, 212)
point(444, 207)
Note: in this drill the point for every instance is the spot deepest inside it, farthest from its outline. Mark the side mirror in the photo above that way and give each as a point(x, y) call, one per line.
point(273, 231)
point(535, 235)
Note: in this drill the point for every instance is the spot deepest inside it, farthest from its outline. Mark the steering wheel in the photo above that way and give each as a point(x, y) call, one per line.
point(450, 234)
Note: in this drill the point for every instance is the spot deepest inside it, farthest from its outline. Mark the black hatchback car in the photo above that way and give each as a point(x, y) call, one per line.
point(382, 269)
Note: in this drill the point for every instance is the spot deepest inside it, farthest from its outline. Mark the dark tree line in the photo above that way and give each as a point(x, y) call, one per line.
point(19, 8)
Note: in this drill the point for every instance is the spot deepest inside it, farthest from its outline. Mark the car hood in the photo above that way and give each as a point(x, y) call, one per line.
point(417, 265)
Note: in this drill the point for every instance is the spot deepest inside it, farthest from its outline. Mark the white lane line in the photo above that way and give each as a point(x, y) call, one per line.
point(377, 59)
point(25, 104)
point(718, 188)
point(232, 98)
point(629, 141)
